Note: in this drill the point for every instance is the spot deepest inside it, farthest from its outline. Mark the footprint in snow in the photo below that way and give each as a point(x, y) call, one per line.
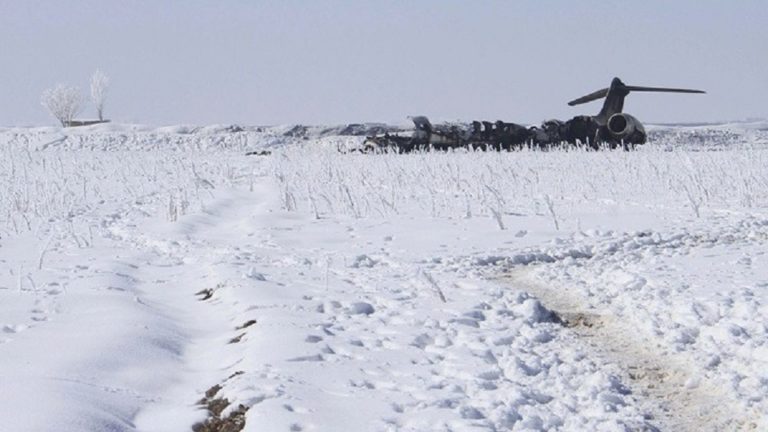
point(295, 409)
point(328, 306)
point(363, 261)
point(422, 341)
point(471, 413)
point(360, 308)
point(255, 275)
point(309, 358)
point(14, 328)
point(465, 321)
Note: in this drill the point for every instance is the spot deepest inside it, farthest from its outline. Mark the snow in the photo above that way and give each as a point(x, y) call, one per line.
point(560, 290)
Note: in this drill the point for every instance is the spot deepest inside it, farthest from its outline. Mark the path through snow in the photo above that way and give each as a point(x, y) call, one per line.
point(351, 331)
point(663, 381)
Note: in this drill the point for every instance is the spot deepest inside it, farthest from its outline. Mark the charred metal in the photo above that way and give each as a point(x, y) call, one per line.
point(610, 128)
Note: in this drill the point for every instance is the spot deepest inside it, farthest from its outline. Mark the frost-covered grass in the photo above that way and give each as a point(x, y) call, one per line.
point(41, 189)
point(373, 295)
point(557, 183)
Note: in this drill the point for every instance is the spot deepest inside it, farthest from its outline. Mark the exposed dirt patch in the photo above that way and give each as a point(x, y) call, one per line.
point(246, 324)
point(579, 319)
point(237, 338)
point(205, 294)
point(234, 422)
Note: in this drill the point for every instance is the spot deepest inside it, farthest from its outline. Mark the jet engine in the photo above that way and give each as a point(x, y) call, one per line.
point(625, 128)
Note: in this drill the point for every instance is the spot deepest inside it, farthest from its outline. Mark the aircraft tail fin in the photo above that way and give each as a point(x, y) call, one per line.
point(615, 94)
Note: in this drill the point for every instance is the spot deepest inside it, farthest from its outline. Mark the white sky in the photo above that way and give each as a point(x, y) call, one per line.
point(259, 62)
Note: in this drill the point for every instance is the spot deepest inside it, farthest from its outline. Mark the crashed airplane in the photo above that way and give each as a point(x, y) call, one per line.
point(610, 127)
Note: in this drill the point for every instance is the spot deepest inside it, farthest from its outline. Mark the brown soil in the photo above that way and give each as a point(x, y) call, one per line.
point(234, 422)
point(246, 324)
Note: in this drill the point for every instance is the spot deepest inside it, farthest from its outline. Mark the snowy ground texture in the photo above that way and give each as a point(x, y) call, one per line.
point(144, 270)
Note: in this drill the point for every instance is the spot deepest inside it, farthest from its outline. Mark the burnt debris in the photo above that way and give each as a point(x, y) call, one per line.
point(610, 128)
point(485, 135)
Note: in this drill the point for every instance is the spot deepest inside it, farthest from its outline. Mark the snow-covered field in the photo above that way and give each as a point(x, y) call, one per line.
point(155, 278)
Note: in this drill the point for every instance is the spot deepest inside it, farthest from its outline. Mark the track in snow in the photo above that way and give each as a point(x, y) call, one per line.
point(660, 381)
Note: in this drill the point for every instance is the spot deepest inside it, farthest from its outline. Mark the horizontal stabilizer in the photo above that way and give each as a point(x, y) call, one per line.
point(620, 87)
point(663, 89)
point(590, 97)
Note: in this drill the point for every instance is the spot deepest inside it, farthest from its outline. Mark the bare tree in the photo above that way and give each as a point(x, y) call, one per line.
point(99, 87)
point(64, 102)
